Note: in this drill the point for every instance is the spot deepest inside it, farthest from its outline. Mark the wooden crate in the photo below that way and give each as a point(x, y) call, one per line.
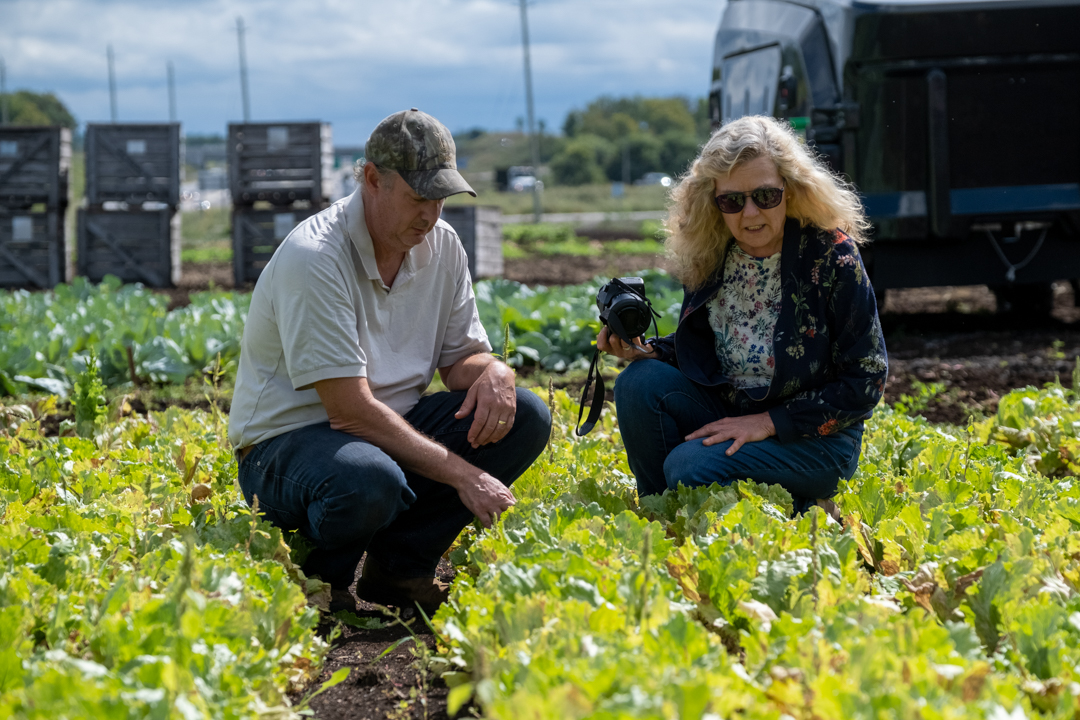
point(256, 234)
point(480, 230)
point(133, 163)
point(34, 166)
point(31, 248)
point(280, 163)
point(136, 246)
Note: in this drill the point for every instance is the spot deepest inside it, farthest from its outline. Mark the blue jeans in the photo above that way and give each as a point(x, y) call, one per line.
point(348, 496)
point(658, 407)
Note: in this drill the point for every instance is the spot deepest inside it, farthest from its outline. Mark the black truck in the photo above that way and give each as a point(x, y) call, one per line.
point(958, 122)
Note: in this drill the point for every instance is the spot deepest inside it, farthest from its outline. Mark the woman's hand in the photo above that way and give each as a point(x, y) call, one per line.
point(612, 344)
point(742, 429)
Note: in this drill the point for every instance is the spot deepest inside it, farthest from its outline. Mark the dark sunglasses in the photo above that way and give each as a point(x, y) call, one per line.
point(764, 198)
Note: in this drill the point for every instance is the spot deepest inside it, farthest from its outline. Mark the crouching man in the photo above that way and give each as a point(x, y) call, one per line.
point(348, 322)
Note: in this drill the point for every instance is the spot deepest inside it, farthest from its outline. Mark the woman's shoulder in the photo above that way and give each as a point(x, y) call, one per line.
point(832, 241)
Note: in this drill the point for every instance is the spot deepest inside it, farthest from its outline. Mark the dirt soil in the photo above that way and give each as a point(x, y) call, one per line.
point(565, 270)
point(949, 339)
point(393, 685)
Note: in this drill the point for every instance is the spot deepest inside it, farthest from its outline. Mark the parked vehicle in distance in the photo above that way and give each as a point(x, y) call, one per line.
point(518, 178)
point(525, 183)
point(956, 120)
point(655, 178)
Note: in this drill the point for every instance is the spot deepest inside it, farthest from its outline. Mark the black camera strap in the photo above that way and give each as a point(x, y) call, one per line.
point(597, 399)
point(594, 370)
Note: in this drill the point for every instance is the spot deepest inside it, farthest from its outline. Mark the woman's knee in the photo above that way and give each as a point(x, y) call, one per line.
point(642, 383)
point(692, 464)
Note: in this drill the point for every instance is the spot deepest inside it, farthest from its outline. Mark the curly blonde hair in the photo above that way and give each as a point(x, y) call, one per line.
point(697, 234)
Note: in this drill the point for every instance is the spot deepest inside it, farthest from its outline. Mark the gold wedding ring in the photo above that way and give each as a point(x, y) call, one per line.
point(502, 422)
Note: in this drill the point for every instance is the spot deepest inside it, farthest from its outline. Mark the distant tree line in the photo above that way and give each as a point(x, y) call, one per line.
point(615, 139)
point(30, 108)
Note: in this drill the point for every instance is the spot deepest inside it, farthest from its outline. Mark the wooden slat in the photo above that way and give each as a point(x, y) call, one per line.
point(25, 269)
point(253, 239)
point(112, 174)
point(23, 158)
point(294, 170)
point(37, 261)
point(139, 268)
point(38, 173)
point(135, 246)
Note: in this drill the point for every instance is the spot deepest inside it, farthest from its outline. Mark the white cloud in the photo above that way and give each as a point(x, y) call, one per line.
point(351, 62)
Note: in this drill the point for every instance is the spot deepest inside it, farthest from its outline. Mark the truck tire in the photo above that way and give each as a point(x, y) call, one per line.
point(1034, 300)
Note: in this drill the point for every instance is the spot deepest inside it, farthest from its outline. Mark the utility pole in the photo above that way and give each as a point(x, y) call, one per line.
point(4, 118)
point(535, 145)
point(243, 69)
point(112, 82)
point(172, 91)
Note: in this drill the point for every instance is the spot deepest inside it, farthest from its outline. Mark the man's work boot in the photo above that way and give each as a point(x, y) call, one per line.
point(831, 509)
point(341, 600)
point(375, 586)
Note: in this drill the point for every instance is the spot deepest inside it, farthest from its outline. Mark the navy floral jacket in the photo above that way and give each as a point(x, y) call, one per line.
point(831, 363)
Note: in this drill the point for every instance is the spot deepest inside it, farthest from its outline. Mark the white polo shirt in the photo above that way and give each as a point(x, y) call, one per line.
point(320, 310)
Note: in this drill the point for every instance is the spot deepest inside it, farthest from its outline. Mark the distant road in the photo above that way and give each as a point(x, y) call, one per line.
point(588, 218)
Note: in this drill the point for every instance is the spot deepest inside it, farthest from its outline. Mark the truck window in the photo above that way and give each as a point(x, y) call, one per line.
point(819, 67)
point(750, 82)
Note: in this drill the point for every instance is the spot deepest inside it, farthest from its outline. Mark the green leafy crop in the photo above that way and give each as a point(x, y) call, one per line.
point(89, 401)
point(48, 336)
point(135, 583)
point(951, 590)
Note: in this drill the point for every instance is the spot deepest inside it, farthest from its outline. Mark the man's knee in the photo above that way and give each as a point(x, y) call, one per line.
point(532, 423)
point(365, 491)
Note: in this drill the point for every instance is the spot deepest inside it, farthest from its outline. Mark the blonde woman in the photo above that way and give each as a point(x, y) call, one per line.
point(778, 357)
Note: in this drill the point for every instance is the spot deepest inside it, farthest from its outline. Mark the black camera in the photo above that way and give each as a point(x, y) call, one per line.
point(624, 308)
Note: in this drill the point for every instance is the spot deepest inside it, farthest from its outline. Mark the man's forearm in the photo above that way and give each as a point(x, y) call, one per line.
point(352, 409)
point(462, 374)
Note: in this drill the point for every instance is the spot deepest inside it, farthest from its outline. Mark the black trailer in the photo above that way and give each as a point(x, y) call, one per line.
point(959, 123)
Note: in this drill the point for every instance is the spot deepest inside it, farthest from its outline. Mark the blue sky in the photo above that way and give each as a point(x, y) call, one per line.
point(352, 62)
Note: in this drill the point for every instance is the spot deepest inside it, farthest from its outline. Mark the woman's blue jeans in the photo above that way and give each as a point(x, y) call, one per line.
point(658, 407)
point(348, 496)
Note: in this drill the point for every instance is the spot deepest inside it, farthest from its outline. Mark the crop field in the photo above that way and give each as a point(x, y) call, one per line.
point(137, 339)
point(135, 582)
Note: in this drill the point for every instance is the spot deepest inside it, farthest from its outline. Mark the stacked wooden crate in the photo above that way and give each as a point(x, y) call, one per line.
point(480, 230)
point(34, 165)
point(131, 227)
point(279, 175)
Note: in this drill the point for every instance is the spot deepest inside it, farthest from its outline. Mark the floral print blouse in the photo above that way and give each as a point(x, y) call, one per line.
point(829, 352)
point(743, 316)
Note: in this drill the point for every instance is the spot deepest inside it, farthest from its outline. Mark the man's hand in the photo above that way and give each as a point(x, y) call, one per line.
point(486, 497)
point(741, 429)
point(354, 410)
point(612, 344)
point(492, 398)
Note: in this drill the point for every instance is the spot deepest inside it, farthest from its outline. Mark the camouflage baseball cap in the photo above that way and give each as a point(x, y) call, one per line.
point(421, 150)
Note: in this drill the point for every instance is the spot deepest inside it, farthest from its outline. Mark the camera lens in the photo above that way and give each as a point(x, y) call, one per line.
point(632, 320)
point(623, 307)
point(632, 312)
